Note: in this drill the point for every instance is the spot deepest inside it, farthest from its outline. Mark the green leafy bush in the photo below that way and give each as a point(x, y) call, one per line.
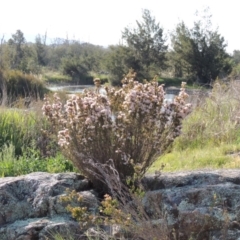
point(118, 136)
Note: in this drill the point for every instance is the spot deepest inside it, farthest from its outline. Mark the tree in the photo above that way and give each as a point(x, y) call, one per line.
point(3, 88)
point(17, 41)
point(74, 68)
point(200, 51)
point(91, 55)
point(236, 56)
point(235, 74)
point(147, 43)
point(118, 61)
point(29, 61)
point(21, 55)
point(41, 49)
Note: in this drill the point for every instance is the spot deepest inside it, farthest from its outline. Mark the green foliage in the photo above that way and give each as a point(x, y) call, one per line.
point(78, 65)
point(61, 236)
point(200, 51)
point(236, 56)
point(92, 56)
point(30, 161)
point(41, 49)
point(21, 55)
point(235, 74)
point(74, 68)
point(81, 57)
point(17, 42)
point(23, 129)
point(79, 211)
point(55, 77)
point(59, 163)
point(17, 127)
point(170, 82)
point(118, 61)
point(147, 43)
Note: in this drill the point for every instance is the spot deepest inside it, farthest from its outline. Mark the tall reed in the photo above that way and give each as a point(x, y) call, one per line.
point(19, 128)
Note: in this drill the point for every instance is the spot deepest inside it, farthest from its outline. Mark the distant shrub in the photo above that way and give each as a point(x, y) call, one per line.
point(119, 135)
point(21, 85)
point(235, 74)
point(104, 80)
point(56, 78)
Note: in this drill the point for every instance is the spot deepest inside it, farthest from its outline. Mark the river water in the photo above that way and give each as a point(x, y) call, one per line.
point(79, 88)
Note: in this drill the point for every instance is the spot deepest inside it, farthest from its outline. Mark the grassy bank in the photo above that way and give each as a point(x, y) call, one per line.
point(24, 147)
point(210, 135)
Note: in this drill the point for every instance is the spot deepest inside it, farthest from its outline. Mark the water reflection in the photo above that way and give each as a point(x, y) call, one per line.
point(70, 89)
point(79, 88)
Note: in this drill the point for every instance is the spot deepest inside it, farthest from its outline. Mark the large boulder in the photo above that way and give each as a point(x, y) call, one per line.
point(196, 204)
point(30, 206)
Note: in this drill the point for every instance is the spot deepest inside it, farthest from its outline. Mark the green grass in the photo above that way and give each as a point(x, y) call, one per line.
point(22, 144)
point(171, 82)
point(17, 127)
point(208, 157)
point(31, 161)
point(55, 77)
point(176, 82)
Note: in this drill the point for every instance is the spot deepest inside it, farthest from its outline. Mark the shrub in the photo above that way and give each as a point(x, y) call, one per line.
point(119, 219)
point(21, 85)
point(117, 138)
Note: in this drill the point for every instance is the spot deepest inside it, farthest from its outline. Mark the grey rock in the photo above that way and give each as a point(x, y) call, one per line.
point(39, 228)
point(30, 206)
point(192, 205)
point(201, 204)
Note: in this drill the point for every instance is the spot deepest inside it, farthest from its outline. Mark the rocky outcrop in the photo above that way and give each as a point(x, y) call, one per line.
point(193, 205)
point(30, 206)
point(197, 204)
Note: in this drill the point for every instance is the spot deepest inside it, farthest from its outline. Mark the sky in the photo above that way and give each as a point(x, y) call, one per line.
point(101, 22)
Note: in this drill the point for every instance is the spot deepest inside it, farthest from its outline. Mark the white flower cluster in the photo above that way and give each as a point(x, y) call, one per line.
point(78, 115)
point(131, 125)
